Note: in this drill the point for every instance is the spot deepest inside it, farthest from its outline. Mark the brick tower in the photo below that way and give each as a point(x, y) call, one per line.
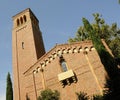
point(27, 48)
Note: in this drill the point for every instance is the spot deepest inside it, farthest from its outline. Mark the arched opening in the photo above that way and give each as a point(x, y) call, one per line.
point(63, 64)
point(18, 22)
point(25, 19)
point(21, 20)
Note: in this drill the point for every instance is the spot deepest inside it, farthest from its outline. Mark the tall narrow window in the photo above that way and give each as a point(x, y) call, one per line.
point(24, 18)
point(22, 45)
point(18, 23)
point(21, 19)
point(63, 64)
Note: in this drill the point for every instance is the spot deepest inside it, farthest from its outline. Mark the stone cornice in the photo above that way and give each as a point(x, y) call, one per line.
point(76, 47)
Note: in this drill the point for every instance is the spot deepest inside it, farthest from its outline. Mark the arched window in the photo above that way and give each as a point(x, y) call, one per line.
point(25, 19)
point(63, 64)
point(21, 20)
point(18, 22)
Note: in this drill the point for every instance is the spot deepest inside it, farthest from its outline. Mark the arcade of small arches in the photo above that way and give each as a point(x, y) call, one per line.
point(21, 20)
point(59, 52)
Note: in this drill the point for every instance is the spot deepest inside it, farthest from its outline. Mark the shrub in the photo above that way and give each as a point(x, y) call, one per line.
point(48, 94)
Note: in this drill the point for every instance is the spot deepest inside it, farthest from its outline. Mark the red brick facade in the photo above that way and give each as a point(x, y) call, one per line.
point(34, 70)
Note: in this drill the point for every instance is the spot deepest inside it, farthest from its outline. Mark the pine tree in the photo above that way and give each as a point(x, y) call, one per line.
point(9, 89)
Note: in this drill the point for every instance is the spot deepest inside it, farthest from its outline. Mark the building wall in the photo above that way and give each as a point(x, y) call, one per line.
point(26, 41)
point(89, 71)
point(34, 70)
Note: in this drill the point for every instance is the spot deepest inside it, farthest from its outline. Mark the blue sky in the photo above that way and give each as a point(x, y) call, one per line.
point(58, 19)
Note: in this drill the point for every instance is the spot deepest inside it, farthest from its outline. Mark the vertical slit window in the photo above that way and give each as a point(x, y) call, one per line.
point(24, 18)
point(18, 23)
point(21, 19)
point(64, 66)
point(22, 45)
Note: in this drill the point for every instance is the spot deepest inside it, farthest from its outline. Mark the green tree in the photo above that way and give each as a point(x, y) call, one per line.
point(110, 65)
point(48, 94)
point(9, 89)
point(115, 46)
point(97, 97)
point(82, 96)
point(111, 34)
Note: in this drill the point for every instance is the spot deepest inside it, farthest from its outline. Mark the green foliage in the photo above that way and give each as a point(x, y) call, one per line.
point(9, 89)
point(81, 35)
point(111, 34)
point(115, 46)
point(82, 96)
point(48, 94)
point(97, 97)
point(110, 65)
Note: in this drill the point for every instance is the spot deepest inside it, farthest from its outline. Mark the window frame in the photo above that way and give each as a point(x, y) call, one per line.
point(63, 65)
